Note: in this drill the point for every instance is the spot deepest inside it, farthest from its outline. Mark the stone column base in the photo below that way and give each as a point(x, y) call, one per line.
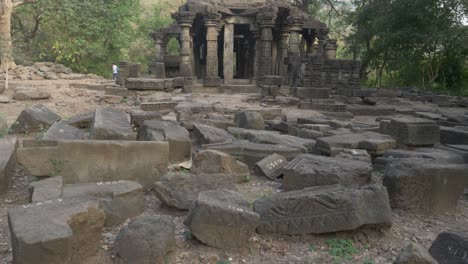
point(212, 82)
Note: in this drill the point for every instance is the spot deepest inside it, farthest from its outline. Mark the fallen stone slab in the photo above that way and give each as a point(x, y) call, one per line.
point(272, 137)
point(271, 166)
point(179, 190)
point(8, 148)
point(81, 121)
point(62, 131)
point(209, 135)
point(217, 162)
point(414, 253)
point(146, 240)
point(450, 248)
point(120, 200)
point(251, 153)
point(411, 131)
point(323, 209)
point(39, 161)
point(46, 190)
point(366, 110)
point(56, 232)
point(158, 106)
point(310, 170)
point(34, 119)
point(438, 156)
point(454, 135)
point(375, 143)
point(222, 219)
point(116, 91)
point(111, 124)
point(461, 150)
point(250, 120)
point(425, 186)
point(138, 118)
point(355, 154)
point(23, 93)
point(112, 99)
point(180, 145)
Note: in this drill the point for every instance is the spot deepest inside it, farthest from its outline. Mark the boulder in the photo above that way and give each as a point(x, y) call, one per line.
point(111, 124)
point(271, 166)
point(323, 209)
point(217, 162)
point(222, 219)
point(46, 190)
point(179, 190)
point(8, 148)
point(146, 240)
point(411, 131)
point(138, 117)
point(34, 119)
point(82, 121)
point(310, 170)
point(120, 200)
point(209, 135)
point(180, 146)
point(250, 120)
point(374, 143)
point(62, 131)
point(450, 248)
point(414, 254)
point(422, 185)
point(56, 232)
point(251, 153)
point(23, 93)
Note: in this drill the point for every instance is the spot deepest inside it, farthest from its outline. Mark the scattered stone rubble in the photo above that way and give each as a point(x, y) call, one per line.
point(46, 71)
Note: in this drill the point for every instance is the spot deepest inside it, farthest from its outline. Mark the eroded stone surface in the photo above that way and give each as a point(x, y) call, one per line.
point(271, 166)
point(8, 148)
point(33, 119)
point(222, 219)
point(217, 162)
point(374, 143)
point(450, 248)
point(415, 254)
point(209, 135)
point(324, 209)
point(111, 124)
point(62, 131)
point(45, 190)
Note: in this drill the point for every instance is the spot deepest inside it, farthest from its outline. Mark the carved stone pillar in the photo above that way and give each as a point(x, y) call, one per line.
point(284, 45)
point(322, 42)
point(295, 26)
point(266, 21)
point(212, 78)
point(331, 49)
point(228, 53)
point(157, 67)
point(185, 20)
point(258, 43)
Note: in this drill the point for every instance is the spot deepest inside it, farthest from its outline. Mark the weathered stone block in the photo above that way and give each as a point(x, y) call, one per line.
point(450, 248)
point(179, 190)
point(120, 200)
point(8, 148)
point(138, 118)
point(323, 209)
point(313, 93)
point(34, 119)
point(454, 135)
point(271, 166)
point(311, 170)
point(374, 143)
point(423, 185)
point(158, 106)
point(82, 121)
point(116, 91)
point(209, 135)
point(222, 219)
point(415, 254)
point(23, 93)
point(146, 240)
point(217, 162)
point(412, 131)
point(111, 124)
point(56, 232)
point(62, 131)
point(250, 120)
point(180, 145)
point(46, 190)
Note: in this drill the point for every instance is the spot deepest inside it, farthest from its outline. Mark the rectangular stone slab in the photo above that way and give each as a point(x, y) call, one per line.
point(323, 209)
point(8, 148)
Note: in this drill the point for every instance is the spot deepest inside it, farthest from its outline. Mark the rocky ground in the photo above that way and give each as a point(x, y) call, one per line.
point(369, 245)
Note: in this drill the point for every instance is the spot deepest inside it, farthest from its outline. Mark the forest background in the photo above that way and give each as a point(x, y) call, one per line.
point(418, 43)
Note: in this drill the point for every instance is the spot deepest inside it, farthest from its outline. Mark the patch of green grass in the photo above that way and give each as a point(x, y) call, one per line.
point(341, 249)
point(311, 248)
point(4, 133)
point(184, 171)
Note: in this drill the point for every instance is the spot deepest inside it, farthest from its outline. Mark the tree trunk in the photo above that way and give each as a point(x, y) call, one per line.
point(6, 46)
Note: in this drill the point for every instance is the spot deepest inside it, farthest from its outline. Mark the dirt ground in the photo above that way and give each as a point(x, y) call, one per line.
point(372, 245)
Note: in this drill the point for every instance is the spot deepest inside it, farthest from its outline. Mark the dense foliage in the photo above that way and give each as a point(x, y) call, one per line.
point(420, 43)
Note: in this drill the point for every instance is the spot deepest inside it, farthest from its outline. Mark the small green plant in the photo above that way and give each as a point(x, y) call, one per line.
point(57, 167)
point(341, 249)
point(184, 171)
point(4, 133)
point(379, 173)
point(311, 248)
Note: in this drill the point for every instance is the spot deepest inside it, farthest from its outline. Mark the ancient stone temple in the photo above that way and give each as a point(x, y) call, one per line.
point(252, 43)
